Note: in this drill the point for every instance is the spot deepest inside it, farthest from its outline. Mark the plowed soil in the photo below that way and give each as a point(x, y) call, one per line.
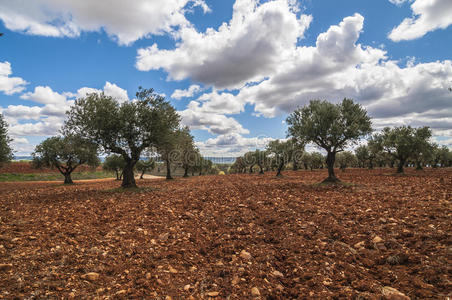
point(234, 236)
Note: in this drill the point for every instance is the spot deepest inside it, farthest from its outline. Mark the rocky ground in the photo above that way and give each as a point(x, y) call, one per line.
point(234, 236)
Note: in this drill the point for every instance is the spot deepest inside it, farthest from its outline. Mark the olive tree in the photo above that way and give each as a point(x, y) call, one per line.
point(114, 163)
point(126, 128)
point(362, 155)
point(281, 151)
point(6, 152)
point(330, 126)
point(145, 165)
point(345, 159)
point(187, 148)
point(405, 142)
point(65, 153)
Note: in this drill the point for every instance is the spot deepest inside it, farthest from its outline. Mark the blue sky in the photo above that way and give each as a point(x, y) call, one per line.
point(233, 69)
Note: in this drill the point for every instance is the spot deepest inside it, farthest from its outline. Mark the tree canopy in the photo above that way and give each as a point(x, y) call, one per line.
point(66, 154)
point(330, 126)
point(126, 128)
point(404, 142)
point(6, 152)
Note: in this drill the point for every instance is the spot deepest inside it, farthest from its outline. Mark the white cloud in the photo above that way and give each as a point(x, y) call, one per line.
point(116, 92)
point(232, 144)
point(46, 127)
point(338, 67)
point(47, 118)
point(246, 49)
point(124, 21)
point(428, 15)
point(398, 2)
point(187, 93)
point(196, 118)
point(10, 85)
point(109, 89)
point(44, 95)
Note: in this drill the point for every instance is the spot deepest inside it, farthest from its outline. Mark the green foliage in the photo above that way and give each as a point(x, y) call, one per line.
point(239, 166)
point(145, 165)
point(362, 155)
point(6, 152)
point(405, 142)
point(441, 156)
point(329, 126)
point(317, 160)
point(65, 153)
point(283, 152)
point(345, 159)
point(126, 129)
point(114, 163)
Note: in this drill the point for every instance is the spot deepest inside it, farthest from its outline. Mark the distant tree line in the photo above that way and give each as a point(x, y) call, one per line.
point(334, 127)
point(133, 133)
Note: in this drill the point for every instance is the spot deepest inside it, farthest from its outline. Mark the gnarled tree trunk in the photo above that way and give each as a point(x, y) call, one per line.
point(168, 169)
point(330, 158)
point(67, 178)
point(400, 166)
point(128, 177)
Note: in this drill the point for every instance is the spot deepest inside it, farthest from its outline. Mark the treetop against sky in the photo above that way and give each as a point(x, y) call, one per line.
point(234, 70)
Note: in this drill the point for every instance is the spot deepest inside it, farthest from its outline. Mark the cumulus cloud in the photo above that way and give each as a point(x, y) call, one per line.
point(398, 2)
point(47, 115)
point(337, 67)
point(246, 49)
point(44, 95)
point(428, 15)
point(10, 85)
point(187, 93)
point(122, 20)
point(197, 118)
point(232, 144)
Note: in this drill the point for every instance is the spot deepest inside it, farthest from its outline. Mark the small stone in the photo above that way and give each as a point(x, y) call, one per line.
point(186, 287)
point(148, 276)
point(359, 245)
point(92, 276)
point(245, 255)
point(377, 240)
point(168, 298)
point(32, 238)
point(71, 295)
point(6, 267)
point(121, 292)
point(255, 292)
point(393, 294)
point(277, 274)
point(172, 270)
point(164, 236)
point(235, 280)
point(213, 294)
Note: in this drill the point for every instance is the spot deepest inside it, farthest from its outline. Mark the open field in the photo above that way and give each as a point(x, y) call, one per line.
point(185, 237)
point(23, 171)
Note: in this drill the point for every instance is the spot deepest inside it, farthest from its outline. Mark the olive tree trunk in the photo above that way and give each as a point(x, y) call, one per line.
point(128, 177)
point(168, 169)
point(330, 159)
point(400, 166)
point(280, 167)
point(67, 178)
